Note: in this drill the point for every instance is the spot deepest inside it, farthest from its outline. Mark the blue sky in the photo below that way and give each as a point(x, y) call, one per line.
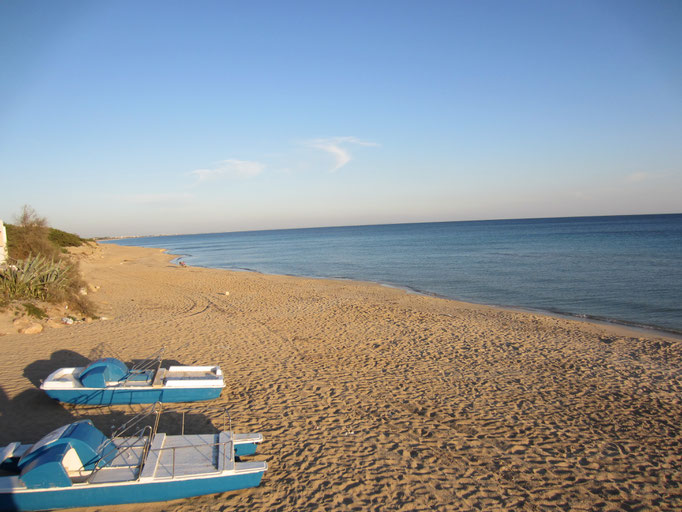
point(128, 118)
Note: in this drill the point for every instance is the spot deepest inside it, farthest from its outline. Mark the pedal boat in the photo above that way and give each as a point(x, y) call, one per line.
point(78, 466)
point(109, 381)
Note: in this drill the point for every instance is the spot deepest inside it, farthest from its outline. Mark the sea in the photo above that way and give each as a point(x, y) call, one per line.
point(620, 269)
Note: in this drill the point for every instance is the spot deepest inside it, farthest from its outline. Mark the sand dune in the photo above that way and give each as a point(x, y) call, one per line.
point(370, 398)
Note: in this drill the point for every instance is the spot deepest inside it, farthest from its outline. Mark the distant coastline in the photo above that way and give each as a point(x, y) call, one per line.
point(522, 219)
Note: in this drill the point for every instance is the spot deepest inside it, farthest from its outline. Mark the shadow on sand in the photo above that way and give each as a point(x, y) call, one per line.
point(38, 370)
point(32, 414)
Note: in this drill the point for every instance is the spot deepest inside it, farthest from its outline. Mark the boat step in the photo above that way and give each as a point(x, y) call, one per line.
point(159, 377)
point(152, 462)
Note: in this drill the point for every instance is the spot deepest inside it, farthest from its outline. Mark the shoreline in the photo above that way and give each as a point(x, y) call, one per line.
point(630, 326)
point(502, 265)
point(651, 330)
point(372, 398)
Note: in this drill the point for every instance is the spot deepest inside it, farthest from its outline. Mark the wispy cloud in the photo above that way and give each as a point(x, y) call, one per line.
point(337, 147)
point(285, 162)
point(230, 169)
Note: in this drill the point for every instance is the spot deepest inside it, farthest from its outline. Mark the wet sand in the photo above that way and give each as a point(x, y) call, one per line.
point(371, 398)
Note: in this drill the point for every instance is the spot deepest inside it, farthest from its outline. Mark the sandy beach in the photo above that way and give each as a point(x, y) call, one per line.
point(371, 398)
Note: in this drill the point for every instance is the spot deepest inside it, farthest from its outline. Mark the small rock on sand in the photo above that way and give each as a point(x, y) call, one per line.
point(33, 328)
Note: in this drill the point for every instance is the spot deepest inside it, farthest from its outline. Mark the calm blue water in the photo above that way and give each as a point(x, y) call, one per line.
point(626, 269)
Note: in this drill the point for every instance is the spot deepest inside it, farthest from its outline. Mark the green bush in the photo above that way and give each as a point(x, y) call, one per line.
point(25, 241)
point(34, 278)
point(63, 239)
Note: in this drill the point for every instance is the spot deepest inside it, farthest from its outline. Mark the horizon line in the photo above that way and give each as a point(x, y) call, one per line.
point(122, 237)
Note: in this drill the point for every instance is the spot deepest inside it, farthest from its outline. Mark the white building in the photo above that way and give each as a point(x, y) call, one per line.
point(3, 243)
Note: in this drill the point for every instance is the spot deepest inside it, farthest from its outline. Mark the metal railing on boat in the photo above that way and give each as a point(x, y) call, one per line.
point(149, 433)
point(216, 459)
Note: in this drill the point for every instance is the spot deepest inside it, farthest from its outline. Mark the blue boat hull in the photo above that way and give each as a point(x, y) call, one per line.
point(132, 395)
point(122, 493)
